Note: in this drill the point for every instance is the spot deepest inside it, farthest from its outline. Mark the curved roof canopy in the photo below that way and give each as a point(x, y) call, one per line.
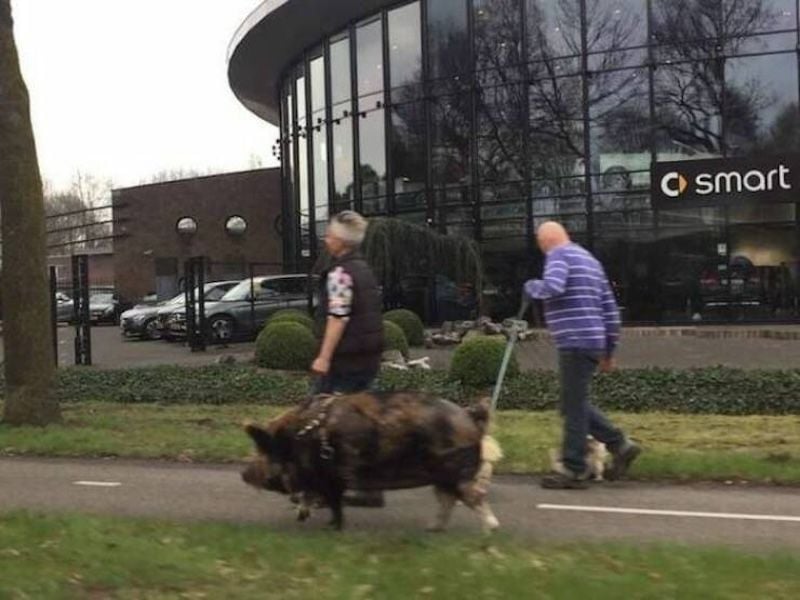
point(275, 35)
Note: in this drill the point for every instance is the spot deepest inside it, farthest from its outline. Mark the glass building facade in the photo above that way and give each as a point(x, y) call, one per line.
point(485, 118)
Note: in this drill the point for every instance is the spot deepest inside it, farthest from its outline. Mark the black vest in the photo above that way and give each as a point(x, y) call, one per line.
point(361, 346)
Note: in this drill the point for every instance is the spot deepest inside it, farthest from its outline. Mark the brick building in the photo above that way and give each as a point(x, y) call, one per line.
point(229, 219)
point(101, 268)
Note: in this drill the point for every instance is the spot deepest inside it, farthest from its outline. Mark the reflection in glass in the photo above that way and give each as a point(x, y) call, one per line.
point(405, 47)
point(448, 40)
point(341, 90)
point(408, 155)
point(761, 104)
point(303, 183)
point(450, 143)
point(369, 40)
point(372, 146)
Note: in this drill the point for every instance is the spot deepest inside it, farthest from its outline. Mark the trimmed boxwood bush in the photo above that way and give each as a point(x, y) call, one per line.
point(287, 346)
point(410, 323)
point(476, 361)
point(292, 315)
point(394, 338)
point(710, 390)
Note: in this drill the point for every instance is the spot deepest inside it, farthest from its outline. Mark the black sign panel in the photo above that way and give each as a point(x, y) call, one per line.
point(689, 183)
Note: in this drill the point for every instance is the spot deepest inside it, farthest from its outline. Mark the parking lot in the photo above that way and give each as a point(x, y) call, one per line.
point(640, 348)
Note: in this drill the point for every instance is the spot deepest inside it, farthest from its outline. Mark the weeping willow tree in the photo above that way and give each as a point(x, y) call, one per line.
point(396, 249)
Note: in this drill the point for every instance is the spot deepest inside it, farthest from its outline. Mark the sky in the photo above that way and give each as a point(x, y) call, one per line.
point(125, 89)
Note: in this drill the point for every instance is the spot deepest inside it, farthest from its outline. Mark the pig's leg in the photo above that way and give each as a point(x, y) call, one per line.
point(475, 498)
point(446, 503)
point(334, 496)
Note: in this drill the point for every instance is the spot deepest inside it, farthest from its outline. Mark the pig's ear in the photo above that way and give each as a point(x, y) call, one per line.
point(262, 439)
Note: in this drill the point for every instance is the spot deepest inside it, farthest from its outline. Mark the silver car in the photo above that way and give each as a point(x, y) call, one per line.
point(143, 320)
point(243, 311)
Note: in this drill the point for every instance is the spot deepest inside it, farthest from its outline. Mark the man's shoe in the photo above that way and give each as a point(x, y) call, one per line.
point(622, 460)
point(365, 499)
point(560, 481)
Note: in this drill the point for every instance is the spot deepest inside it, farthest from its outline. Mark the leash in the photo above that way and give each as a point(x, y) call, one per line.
point(318, 422)
point(514, 327)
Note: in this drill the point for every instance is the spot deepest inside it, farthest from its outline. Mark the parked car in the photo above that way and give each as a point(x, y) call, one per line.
point(143, 319)
point(240, 314)
point(104, 307)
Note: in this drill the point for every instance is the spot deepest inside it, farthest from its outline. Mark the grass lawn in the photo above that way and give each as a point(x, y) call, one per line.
point(677, 446)
point(45, 557)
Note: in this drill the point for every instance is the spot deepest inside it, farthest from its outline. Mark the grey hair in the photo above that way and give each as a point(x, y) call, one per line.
point(349, 226)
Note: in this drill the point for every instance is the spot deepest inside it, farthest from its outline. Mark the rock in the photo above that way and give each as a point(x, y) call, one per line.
point(394, 357)
point(492, 328)
point(463, 327)
point(226, 359)
point(448, 327)
point(420, 363)
point(429, 340)
point(446, 339)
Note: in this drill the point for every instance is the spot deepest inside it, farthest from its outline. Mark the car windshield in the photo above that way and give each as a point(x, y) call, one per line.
point(102, 298)
point(240, 291)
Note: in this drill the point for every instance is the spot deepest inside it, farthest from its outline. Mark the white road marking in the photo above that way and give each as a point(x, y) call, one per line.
point(98, 483)
point(669, 513)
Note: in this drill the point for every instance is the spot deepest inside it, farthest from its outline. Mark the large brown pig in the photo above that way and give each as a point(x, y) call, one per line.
point(377, 441)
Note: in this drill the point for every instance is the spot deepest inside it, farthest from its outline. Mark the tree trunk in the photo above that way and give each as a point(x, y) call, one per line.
point(29, 364)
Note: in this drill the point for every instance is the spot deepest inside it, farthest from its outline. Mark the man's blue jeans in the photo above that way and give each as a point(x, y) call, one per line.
point(581, 418)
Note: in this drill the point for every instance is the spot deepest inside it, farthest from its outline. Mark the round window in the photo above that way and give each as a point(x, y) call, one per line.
point(186, 226)
point(236, 225)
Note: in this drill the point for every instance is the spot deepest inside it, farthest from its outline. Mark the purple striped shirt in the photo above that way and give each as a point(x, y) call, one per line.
point(580, 308)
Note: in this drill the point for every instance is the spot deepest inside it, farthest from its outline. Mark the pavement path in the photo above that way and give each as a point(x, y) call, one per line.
point(111, 351)
point(748, 517)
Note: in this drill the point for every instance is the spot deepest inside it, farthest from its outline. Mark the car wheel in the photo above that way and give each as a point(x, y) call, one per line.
point(151, 330)
point(221, 329)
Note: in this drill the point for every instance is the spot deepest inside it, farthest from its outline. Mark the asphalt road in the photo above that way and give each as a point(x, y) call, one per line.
point(753, 518)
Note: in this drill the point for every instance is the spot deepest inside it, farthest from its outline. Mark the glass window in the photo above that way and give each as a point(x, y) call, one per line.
point(343, 164)
point(501, 152)
point(405, 51)
point(498, 33)
point(303, 183)
point(319, 142)
point(288, 135)
point(372, 146)
point(759, 16)
point(761, 104)
point(613, 25)
point(408, 155)
point(688, 29)
point(341, 90)
point(369, 43)
point(619, 112)
point(554, 31)
point(450, 140)
point(688, 99)
point(448, 38)
point(556, 129)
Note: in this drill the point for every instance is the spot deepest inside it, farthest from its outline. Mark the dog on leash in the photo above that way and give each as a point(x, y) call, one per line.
point(596, 457)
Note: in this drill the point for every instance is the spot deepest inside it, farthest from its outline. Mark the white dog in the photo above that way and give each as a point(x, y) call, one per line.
point(596, 456)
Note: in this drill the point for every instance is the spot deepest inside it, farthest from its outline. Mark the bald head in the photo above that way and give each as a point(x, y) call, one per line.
point(551, 235)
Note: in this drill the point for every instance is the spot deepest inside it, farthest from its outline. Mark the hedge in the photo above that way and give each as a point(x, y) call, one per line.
point(477, 361)
point(410, 323)
point(394, 338)
point(292, 315)
point(715, 390)
point(286, 345)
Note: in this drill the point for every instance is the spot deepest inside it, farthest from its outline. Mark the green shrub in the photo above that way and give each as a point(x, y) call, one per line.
point(292, 315)
point(709, 390)
point(286, 346)
point(476, 362)
point(410, 323)
point(394, 338)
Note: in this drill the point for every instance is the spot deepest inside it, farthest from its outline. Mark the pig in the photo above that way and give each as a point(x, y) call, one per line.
point(377, 441)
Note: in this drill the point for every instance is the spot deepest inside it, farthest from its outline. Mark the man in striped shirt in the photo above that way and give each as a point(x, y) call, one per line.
point(583, 319)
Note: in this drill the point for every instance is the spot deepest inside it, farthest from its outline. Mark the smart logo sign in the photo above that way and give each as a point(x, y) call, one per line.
point(714, 181)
